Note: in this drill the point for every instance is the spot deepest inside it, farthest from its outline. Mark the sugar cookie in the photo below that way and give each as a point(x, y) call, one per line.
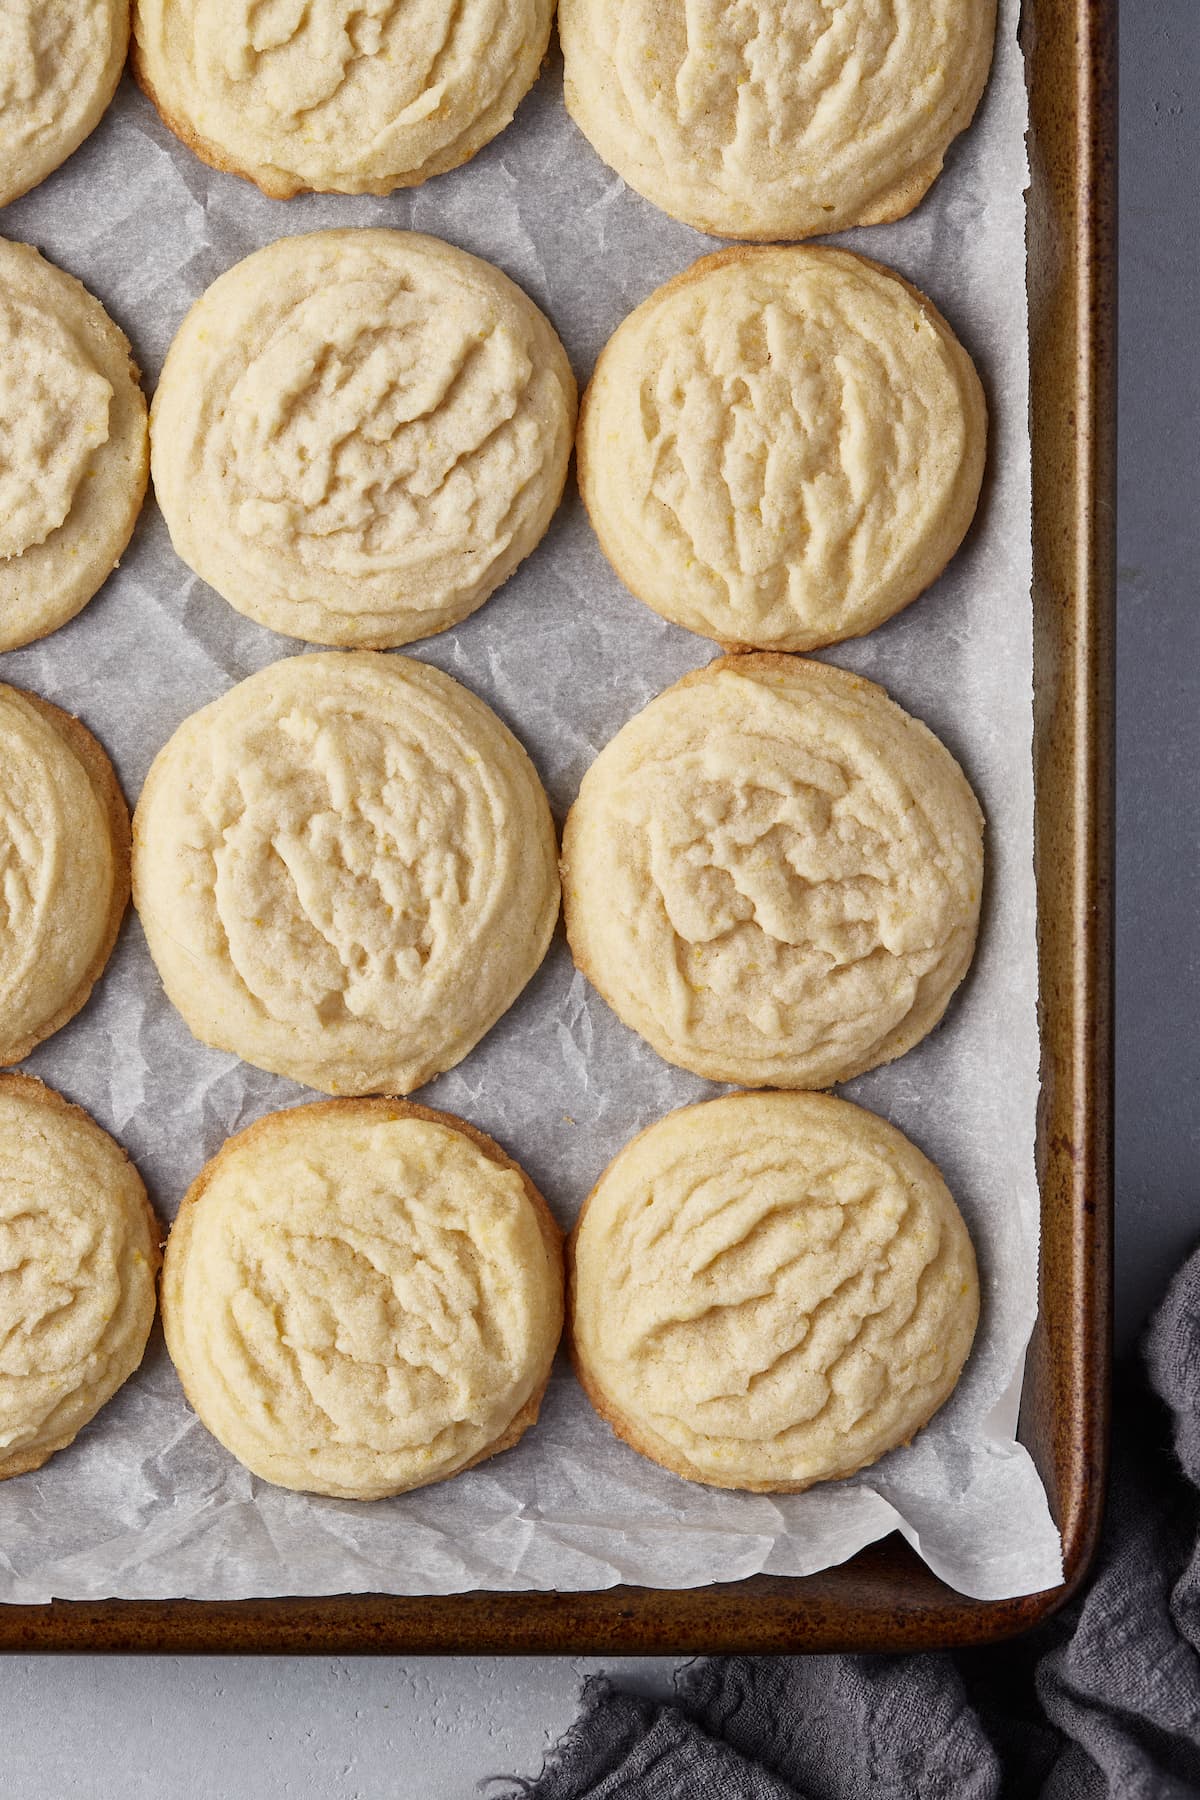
point(336, 95)
point(64, 868)
point(362, 1297)
point(781, 448)
point(78, 1258)
point(773, 873)
point(345, 868)
point(358, 435)
point(766, 119)
point(770, 1290)
point(59, 68)
point(73, 448)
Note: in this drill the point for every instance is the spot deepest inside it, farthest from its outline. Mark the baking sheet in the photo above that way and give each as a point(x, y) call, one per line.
point(146, 1504)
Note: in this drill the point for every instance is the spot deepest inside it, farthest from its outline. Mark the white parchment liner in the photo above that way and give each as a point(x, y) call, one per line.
point(145, 1503)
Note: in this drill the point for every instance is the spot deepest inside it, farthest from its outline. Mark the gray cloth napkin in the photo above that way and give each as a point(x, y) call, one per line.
point(1100, 1703)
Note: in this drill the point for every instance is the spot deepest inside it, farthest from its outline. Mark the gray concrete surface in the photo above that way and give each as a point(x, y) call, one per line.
point(284, 1728)
point(420, 1729)
point(1158, 659)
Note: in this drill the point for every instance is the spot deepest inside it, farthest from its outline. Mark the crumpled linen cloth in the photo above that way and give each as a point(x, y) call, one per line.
point(1102, 1702)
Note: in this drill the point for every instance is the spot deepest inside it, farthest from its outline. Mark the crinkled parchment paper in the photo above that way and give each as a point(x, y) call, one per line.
point(146, 1503)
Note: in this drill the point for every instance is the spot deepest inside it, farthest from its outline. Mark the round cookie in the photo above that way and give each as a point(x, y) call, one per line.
point(345, 868)
point(362, 1297)
point(78, 1258)
point(59, 68)
point(73, 448)
point(335, 95)
point(773, 874)
point(770, 1290)
point(359, 434)
point(770, 120)
point(64, 868)
point(782, 447)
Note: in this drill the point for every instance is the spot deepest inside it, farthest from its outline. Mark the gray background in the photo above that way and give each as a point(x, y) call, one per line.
point(375, 1729)
point(1158, 659)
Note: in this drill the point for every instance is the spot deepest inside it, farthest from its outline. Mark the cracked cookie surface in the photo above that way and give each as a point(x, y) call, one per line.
point(359, 434)
point(776, 118)
point(59, 68)
point(782, 448)
point(78, 1259)
point(362, 1297)
point(345, 868)
point(770, 1290)
point(64, 868)
point(773, 873)
point(344, 96)
point(74, 454)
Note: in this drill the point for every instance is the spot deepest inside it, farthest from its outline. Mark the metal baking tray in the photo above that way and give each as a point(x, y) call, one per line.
point(885, 1598)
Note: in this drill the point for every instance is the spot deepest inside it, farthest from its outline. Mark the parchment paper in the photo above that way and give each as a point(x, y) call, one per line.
point(145, 1503)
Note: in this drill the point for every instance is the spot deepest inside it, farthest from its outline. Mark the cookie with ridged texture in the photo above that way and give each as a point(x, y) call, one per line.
point(782, 447)
point(362, 1297)
point(773, 873)
point(345, 868)
point(59, 68)
point(336, 96)
point(74, 455)
point(64, 868)
point(78, 1260)
point(763, 119)
point(770, 1290)
point(359, 434)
